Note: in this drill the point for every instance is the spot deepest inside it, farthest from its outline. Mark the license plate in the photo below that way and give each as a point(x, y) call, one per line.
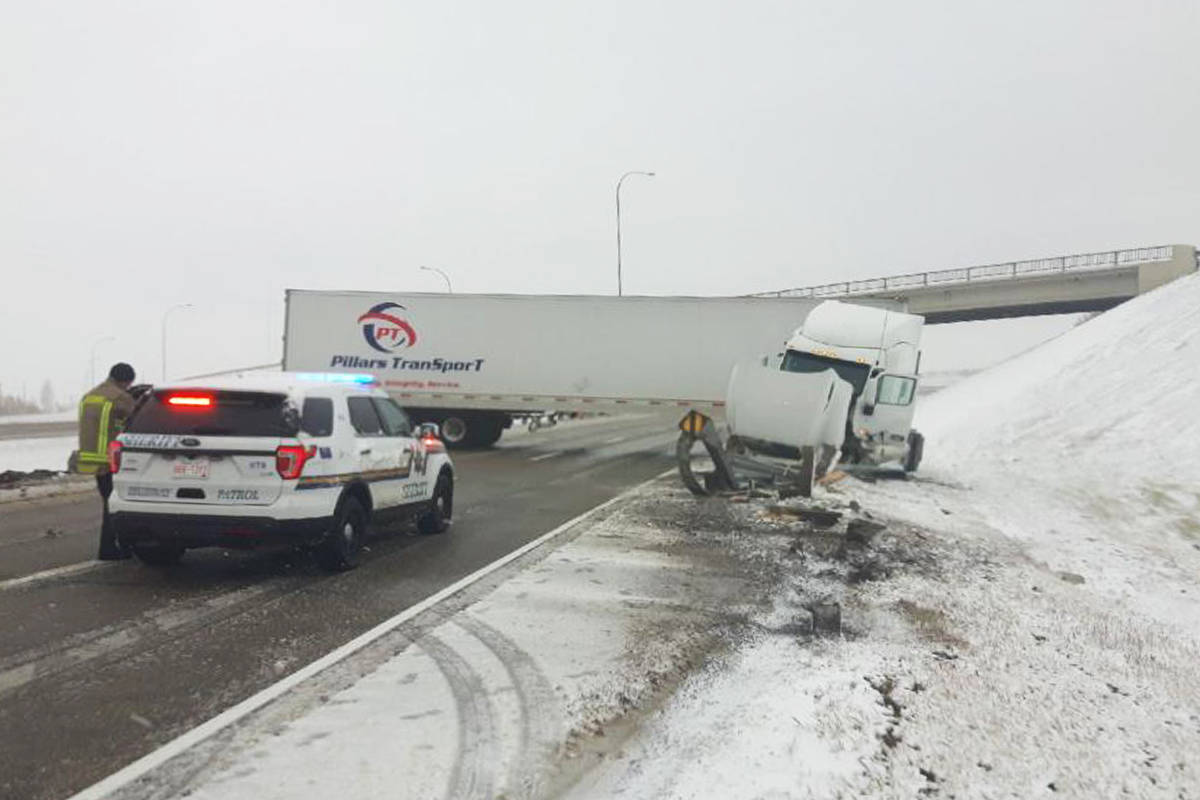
point(190, 469)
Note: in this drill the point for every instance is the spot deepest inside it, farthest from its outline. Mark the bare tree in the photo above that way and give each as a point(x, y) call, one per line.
point(48, 396)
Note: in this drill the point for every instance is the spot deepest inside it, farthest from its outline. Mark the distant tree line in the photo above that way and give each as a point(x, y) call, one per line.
point(12, 404)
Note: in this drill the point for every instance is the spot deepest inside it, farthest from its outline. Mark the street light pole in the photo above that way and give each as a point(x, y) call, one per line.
point(95, 345)
point(166, 314)
point(619, 182)
point(445, 277)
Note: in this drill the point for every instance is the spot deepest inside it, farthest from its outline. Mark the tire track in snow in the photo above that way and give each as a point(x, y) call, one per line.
point(540, 724)
point(473, 775)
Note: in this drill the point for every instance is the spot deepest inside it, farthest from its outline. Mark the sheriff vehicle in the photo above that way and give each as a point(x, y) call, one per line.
point(297, 459)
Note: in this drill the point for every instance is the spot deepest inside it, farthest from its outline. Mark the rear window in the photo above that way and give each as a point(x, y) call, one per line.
point(209, 413)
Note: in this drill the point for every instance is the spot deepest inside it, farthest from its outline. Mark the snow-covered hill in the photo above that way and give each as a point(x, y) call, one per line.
point(1088, 447)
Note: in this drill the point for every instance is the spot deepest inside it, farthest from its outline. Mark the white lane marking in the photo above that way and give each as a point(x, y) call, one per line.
point(614, 440)
point(48, 574)
point(544, 456)
point(180, 744)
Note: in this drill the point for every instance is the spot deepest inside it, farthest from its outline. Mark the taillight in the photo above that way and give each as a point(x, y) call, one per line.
point(190, 400)
point(290, 459)
point(114, 457)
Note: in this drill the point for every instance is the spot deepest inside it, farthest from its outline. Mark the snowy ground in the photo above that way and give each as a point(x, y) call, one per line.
point(1025, 625)
point(1045, 635)
point(24, 455)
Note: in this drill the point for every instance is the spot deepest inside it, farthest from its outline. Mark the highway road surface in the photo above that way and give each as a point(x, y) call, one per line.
point(35, 430)
point(102, 663)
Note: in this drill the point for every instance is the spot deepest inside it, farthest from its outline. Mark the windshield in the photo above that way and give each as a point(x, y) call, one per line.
point(854, 374)
point(227, 414)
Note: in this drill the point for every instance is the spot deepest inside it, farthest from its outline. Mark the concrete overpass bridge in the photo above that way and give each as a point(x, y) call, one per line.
point(1058, 285)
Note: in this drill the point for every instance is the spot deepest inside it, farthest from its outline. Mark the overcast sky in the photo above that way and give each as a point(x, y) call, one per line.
point(215, 153)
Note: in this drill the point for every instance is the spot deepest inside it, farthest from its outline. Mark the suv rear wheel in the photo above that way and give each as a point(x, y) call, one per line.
point(342, 546)
point(437, 519)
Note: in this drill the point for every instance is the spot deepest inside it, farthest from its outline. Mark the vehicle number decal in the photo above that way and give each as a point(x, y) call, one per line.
point(412, 490)
point(147, 491)
point(237, 494)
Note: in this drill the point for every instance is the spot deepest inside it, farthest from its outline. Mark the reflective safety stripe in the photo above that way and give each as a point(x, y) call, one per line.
point(99, 453)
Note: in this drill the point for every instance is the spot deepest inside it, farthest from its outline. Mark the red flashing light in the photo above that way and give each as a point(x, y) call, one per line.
point(290, 460)
point(190, 400)
point(114, 457)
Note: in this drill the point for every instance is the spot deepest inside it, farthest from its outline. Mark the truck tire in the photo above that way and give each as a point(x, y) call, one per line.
point(456, 429)
point(441, 509)
point(916, 449)
point(490, 428)
point(461, 430)
point(341, 548)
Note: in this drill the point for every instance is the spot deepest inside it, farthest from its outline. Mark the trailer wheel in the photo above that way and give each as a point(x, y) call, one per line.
point(486, 430)
point(455, 430)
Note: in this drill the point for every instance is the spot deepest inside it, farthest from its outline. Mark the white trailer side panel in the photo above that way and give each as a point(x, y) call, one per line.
point(532, 352)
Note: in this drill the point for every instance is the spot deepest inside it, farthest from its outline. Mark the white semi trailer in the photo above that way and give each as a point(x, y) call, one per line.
point(470, 362)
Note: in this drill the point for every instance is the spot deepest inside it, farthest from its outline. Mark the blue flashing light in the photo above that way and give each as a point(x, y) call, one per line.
point(337, 377)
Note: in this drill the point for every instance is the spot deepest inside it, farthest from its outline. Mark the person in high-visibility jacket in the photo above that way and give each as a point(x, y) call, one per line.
point(102, 415)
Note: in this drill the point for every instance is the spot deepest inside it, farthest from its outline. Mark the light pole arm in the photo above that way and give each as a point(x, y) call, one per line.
point(445, 277)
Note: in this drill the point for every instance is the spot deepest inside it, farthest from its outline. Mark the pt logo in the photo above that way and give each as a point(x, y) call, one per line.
point(384, 330)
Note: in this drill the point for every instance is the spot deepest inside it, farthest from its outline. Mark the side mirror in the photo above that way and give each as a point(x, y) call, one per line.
point(870, 396)
point(428, 430)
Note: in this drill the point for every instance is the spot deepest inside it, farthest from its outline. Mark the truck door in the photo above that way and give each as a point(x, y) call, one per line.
point(377, 452)
point(894, 396)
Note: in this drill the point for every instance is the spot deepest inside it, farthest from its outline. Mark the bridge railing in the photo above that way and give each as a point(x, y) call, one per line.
point(1038, 267)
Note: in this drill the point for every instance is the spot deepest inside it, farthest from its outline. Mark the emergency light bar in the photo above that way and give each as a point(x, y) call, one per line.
point(336, 377)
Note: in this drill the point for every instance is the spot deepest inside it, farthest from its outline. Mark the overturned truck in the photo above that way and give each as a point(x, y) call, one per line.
point(843, 390)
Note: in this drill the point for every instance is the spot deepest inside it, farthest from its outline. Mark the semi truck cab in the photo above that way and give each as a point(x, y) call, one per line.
point(877, 352)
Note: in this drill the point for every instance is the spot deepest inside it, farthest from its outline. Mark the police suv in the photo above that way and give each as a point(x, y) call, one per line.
point(299, 459)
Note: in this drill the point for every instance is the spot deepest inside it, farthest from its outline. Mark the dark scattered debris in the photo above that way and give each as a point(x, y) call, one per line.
point(817, 517)
point(10, 478)
point(862, 531)
point(890, 738)
point(826, 618)
point(942, 655)
point(885, 686)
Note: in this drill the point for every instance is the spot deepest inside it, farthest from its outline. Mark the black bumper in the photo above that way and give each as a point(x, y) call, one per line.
point(194, 530)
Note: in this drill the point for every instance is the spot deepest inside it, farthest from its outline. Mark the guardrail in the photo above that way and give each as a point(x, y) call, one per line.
point(1038, 267)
